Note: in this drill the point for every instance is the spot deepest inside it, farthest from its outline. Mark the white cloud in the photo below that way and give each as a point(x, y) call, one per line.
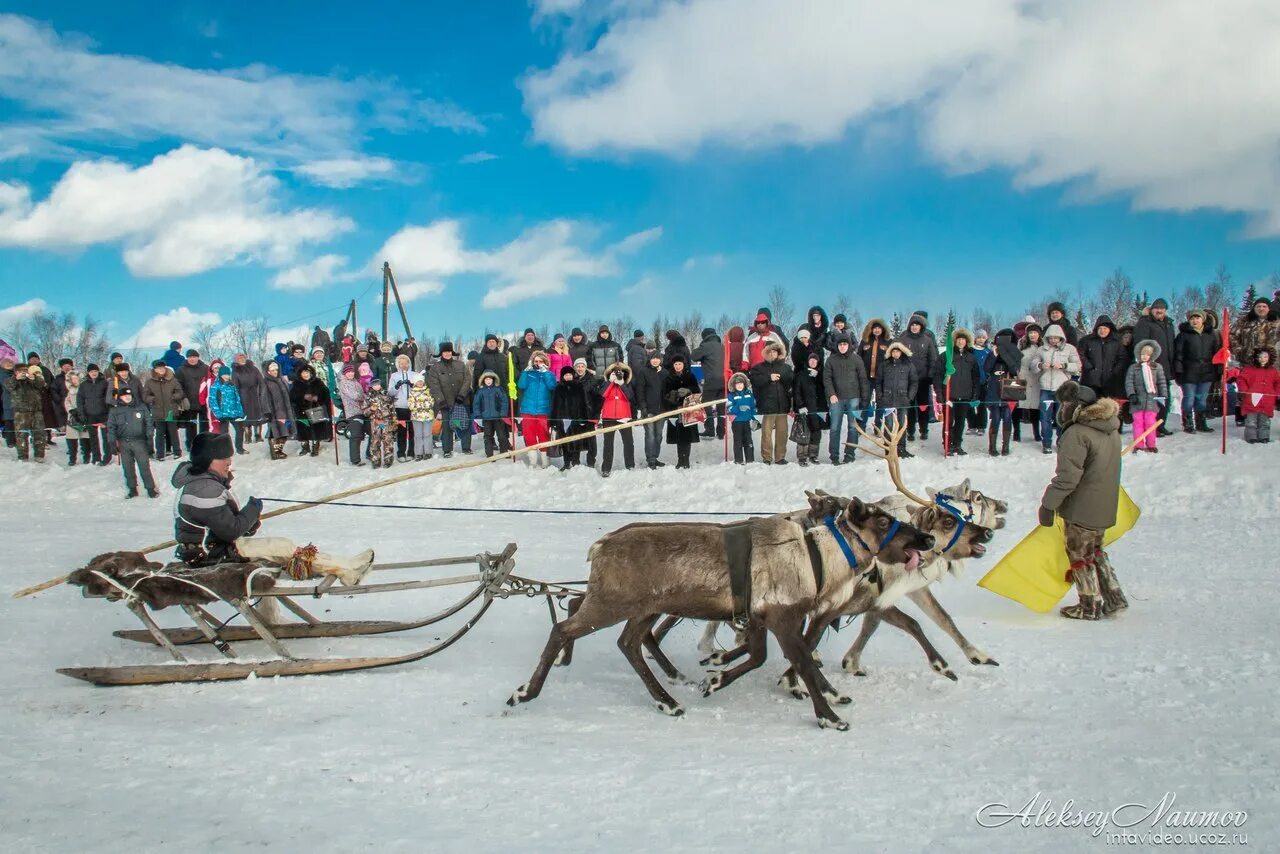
point(411, 291)
point(20, 312)
point(177, 325)
point(1173, 103)
point(540, 262)
point(343, 172)
point(66, 92)
point(314, 274)
point(714, 261)
point(644, 286)
point(185, 212)
point(633, 243)
point(477, 157)
point(552, 8)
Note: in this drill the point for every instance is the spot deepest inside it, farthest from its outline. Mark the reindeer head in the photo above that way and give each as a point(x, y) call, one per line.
point(943, 525)
point(822, 504)
point(874, 528)
point(972, 504)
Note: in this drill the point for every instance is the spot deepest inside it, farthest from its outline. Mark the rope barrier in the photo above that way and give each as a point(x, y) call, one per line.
point(520, 509)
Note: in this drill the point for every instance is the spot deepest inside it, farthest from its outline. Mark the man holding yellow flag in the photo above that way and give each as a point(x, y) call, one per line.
point(1085, 492)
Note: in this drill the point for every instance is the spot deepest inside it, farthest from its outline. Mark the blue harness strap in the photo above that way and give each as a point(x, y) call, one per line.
point(830, 522)
point(944, 501)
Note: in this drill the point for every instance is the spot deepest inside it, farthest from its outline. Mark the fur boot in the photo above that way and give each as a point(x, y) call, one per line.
point(277, 449)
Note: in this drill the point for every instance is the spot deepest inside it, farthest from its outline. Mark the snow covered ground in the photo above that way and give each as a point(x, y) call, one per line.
point(1178, 695)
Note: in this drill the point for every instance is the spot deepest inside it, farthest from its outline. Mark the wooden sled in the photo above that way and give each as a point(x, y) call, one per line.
point(490, 582)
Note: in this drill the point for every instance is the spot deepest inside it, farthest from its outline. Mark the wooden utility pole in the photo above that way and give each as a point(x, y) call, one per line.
point(389, 290)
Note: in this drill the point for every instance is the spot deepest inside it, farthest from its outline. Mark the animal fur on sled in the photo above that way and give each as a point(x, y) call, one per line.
point(161, 586)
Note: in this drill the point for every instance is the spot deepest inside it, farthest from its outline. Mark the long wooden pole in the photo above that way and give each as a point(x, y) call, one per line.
point(369, 487)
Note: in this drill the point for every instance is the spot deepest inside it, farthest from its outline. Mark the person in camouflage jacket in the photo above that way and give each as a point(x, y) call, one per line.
point(25, 388)
point(380, 409)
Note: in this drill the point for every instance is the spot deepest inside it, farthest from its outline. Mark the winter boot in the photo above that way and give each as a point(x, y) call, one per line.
point(1004, 440)
point(315, 449)
point(802, 454)
point(813, 454)
point(1202, 426)
point(1187, 425)
point(306, 449)
point(991, 441)
point(1089, 608)
point(277, 449)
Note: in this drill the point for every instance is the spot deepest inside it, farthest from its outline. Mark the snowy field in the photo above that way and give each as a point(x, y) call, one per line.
point(1178, 695)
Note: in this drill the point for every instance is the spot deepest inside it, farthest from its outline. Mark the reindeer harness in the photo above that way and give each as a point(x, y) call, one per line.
point(944, 501)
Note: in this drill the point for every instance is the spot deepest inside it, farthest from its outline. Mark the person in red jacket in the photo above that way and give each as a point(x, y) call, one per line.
point(761, 335)
point(618, 407)
point(1258, 384)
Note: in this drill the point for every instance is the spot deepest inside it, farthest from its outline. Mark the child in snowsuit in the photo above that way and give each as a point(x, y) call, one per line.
point(741, 412)
point(617, 406)
point(1257, 385)
point(1147, 388)
point(491, 407)
point(896, 389)
point(422, 411)
point(380, 409)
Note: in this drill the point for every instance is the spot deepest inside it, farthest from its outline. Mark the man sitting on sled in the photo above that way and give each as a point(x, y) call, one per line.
point(211, 527)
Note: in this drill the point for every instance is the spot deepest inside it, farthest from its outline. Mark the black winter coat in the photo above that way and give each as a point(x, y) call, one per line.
point(924, 353)
point(965, 382)
point(1002, 364)
point(1193, 355)
point(248, 379)
point(672, 383)
point(581, 350)
point(710, 355)
point(637, 356)
point(1148, 328)
point(491, 360)
point(190, 377)
point(91, 400)
point(569, 402)
point(676, 346)
point(523, 352)
point(649, 385)
point(807, 393)
point(772, 397)
point(1102, 360)
point(898, 381)
point(305, 394)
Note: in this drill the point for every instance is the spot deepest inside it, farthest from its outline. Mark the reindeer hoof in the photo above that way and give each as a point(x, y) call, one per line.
point(521, 695)
point(837, 724)
point(941, 667)
point(983, 658)
point(851, 665)
point(711, 684)
point(837, 699)
point(716, 659)
point(674, 711)
point(817, 660)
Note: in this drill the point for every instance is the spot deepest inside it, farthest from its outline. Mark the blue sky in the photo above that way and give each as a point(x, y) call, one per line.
point(162, 165)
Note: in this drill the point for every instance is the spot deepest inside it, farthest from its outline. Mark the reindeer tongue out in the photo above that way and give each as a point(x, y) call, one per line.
point(913, 559)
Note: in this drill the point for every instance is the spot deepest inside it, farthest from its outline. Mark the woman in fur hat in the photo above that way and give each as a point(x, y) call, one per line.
point(677, 386)
point(570, 416)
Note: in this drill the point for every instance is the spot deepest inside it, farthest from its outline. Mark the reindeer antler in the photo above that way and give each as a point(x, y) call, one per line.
point(886, 438)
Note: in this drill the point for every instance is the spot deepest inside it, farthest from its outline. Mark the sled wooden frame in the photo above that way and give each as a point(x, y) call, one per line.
point(491, 579)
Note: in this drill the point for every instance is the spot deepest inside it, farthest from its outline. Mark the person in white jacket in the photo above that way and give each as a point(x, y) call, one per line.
point(399, 385)
point(1055, 362)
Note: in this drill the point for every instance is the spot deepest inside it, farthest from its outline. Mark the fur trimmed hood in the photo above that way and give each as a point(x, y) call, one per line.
point(739, 375)
point(776, 348)
point(1269, 350)
point(497, 381)
point(898, 347)
point(875, 321)
point(961, 332)
point(1146, 342)
point(619, 366)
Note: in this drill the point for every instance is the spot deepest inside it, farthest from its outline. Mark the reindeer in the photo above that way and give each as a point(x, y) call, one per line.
point(640, 572)
point(964, 502)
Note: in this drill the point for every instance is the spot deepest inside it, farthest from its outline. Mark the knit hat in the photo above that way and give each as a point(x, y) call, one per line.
point(93, 366)
point(579, 361)
point(559, 336)
point(207, 447)
point(158, 363)
point(224, 371)
point(529, 331)
point(708, 331)
point(981, 333)
point(1196, 312)
point(349, 369)
point(65, 361)
point(604, 327)
point(490, 337)
point(1260, 300)
point(576, 331)
point(638, 333)
point(839, 318)
point(32, 355)
point(1159, 303)
point(319, 350)
point(115, 356)
point(191, 353)
point(125, 391)
point(472, 355)
point(803, 334)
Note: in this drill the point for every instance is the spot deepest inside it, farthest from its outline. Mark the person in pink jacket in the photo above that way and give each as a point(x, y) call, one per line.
point(559, 355)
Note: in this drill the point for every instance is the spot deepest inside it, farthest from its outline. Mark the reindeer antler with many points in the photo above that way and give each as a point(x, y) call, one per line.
point(886, 439)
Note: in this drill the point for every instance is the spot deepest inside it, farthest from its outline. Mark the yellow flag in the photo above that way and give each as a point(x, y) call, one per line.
point(1034, 572)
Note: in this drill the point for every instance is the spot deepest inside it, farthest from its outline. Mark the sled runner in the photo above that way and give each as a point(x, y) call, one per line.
point(143, 587)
